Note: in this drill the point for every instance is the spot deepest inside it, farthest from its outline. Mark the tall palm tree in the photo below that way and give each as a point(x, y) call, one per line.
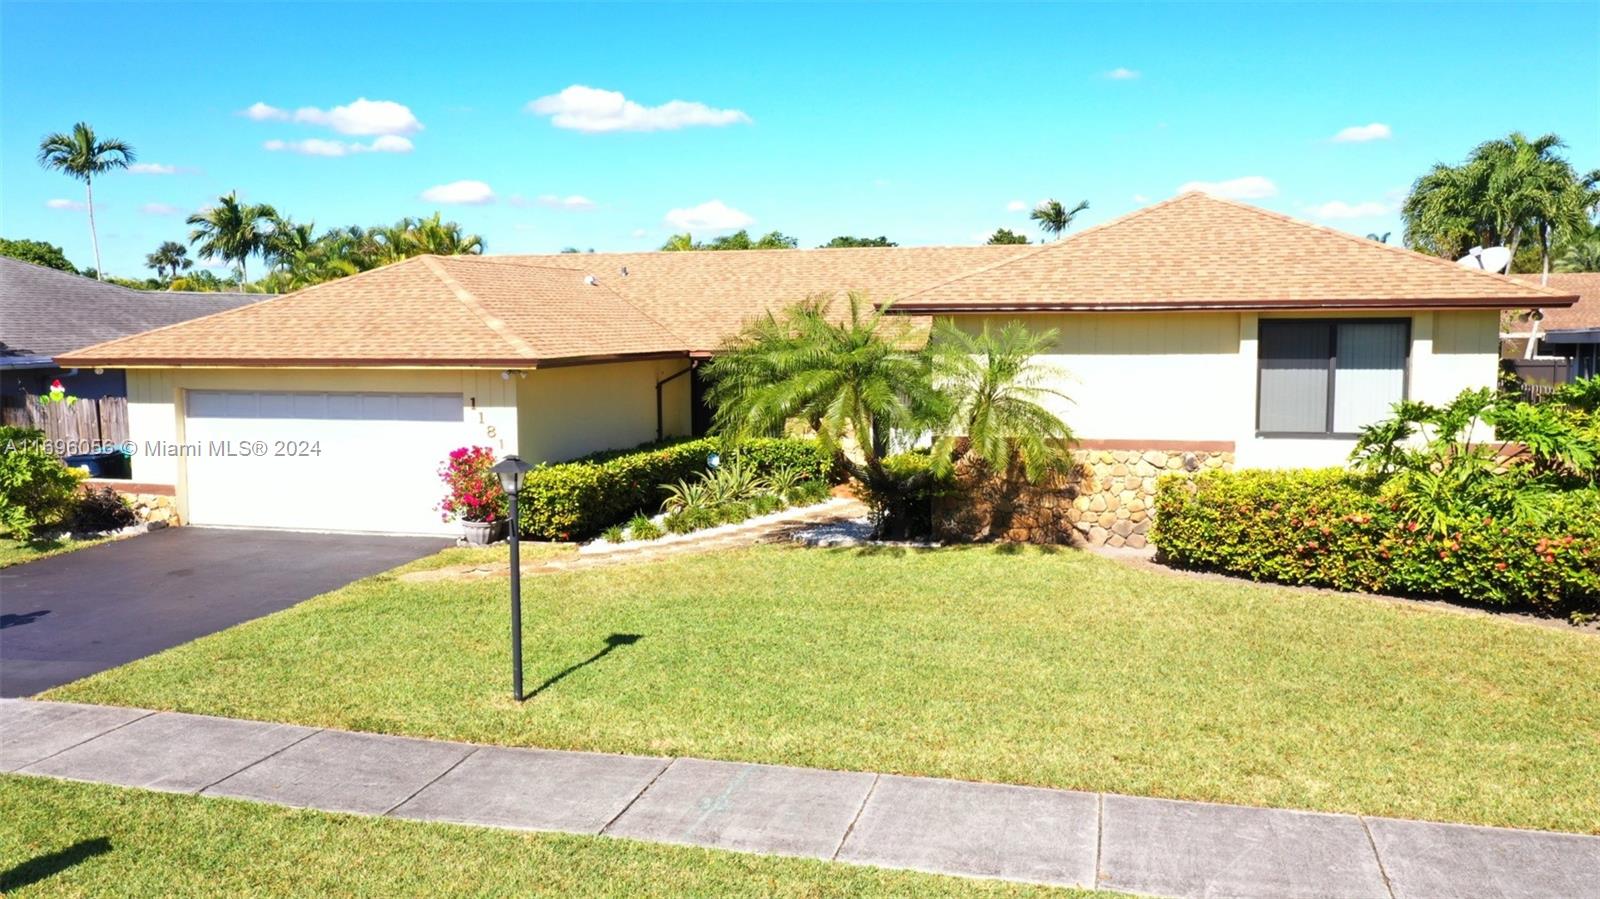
point(1054, 218)
point(286, 241)
point(231, 231)
point(1580, 251)
point(82, 155)
point(169, 259)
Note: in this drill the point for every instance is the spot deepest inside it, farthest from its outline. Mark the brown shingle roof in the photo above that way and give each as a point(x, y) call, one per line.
point(1580, 316)
point(428, 310)
point(1189, 252)
point(1197, 251)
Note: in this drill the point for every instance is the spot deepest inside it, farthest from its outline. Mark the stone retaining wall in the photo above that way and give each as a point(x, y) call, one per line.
point(1107, 501)
point(153, 504)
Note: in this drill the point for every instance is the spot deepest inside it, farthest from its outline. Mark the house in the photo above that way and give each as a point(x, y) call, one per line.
point(44, 312)
point(1566, 341)
point(1196, 325)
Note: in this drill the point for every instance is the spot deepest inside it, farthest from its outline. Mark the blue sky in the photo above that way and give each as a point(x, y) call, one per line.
point(930, 124)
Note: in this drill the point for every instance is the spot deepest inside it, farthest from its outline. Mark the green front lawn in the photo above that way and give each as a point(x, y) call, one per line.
point(67, 839)
point(15, 552)
point(983, 663)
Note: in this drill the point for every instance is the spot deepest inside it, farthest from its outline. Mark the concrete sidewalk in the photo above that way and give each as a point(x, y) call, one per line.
point(1151, 846)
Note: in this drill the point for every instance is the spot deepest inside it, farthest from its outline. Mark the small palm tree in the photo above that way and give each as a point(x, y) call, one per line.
point(1054, 218)
point(169, 259)
point(679, 243)
point(82, 155)
point(441, 238)
point(232, 231)
point(1002, 398)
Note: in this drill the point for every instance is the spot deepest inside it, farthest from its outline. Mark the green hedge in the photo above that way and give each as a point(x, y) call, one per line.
point(1330, 528)
point(578, 499)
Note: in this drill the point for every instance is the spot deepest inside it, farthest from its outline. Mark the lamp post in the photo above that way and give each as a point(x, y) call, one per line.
point(510, 471)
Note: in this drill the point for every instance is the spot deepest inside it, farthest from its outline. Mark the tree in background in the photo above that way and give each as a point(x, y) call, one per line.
point(37, 252)
point(1380, 238)
point(739, 240)
point(439, 238)
point(1005, 236)
point(169, 259)
point(1580, 251)
point(845, 241)
point(1508, 191)
point(232, 231)
point(82, 155)
point(1054, 218)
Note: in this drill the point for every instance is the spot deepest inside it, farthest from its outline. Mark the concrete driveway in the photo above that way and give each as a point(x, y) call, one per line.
point(69, 616)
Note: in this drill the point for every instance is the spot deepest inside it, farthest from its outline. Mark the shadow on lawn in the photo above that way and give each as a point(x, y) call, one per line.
point(612, 642)
point(52, 863)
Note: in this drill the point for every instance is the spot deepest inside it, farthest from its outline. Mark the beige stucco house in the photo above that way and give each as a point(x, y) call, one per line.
point(1195, 325)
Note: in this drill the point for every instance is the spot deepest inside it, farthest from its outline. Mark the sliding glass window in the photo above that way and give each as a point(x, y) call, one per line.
point(1329, 378)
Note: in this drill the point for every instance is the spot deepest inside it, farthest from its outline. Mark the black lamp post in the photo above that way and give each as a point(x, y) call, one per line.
point(510, 471)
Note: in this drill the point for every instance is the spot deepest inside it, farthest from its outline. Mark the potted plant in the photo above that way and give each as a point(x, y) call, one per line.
point(473, 495)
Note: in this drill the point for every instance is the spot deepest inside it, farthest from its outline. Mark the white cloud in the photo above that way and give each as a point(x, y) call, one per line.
point(574, 202)
point(1339, 209)
point(316, 146)
point(160, 209)
point(64, 204)
point(710, 216)
point(1016, 206)
point(1121, 74)
point(475, 193)
point(639, 232)
point(261, 112)
point(154, 168)
point(1360, 134)
point(1250, 187)
point(1140, 198)
point(361, 117)
point(592, 110)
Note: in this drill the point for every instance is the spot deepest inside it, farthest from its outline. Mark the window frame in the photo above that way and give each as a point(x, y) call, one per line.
point(1332, 325)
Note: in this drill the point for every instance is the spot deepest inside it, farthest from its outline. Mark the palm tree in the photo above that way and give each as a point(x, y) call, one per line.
point(1380, 238)
point(441, 238)
point(286, 242)
point(1054, 218)
point(1580, 251)
point(852, 378)
point(231, 231)
point(81, 155)
point(679, 243)
point(169, 259)
point(1002, 398)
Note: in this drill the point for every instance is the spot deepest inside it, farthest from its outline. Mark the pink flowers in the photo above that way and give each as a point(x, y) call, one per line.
point(474, 491)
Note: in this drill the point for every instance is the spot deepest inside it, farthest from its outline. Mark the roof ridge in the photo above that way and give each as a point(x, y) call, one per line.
point(435, 265)
point(515, 263)
point(1053, 244)
point(1392, 248)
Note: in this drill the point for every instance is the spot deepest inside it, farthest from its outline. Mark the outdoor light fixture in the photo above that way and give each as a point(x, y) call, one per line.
point(510, 471)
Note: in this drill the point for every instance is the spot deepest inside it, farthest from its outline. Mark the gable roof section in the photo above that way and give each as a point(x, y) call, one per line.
point(1199, 252)
point(44, 312)
point(428, 310)
point(1581, 316)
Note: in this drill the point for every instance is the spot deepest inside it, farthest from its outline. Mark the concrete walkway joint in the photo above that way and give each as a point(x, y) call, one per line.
point(1061, 837)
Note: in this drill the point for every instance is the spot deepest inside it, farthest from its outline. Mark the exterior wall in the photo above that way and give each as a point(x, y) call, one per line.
point(1187, 377)
point(156, 404)
point(567, 412)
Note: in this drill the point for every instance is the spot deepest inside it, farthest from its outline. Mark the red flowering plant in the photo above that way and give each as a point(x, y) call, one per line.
point(473, 491)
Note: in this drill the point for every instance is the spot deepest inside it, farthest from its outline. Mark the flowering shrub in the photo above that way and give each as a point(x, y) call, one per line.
point(1331, 528)
point(474, 492)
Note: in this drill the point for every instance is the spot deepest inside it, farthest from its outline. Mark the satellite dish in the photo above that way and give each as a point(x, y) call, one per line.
point(1490, 259)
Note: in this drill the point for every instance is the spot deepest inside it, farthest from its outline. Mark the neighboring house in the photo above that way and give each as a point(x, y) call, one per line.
point(44, 312)
point(1195, 323)
point(1566, 341)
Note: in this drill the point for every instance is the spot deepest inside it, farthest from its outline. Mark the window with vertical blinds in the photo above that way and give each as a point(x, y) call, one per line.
point(1329, 377)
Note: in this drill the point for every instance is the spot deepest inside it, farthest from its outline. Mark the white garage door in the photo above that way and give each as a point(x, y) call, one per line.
point(319, 461)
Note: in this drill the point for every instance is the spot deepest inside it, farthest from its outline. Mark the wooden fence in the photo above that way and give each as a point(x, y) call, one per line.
point(82, 424)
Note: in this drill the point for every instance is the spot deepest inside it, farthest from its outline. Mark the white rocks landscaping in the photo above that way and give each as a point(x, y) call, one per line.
point(599, 546)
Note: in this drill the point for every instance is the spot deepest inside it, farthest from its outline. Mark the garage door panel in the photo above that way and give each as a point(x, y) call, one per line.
point(355, 461)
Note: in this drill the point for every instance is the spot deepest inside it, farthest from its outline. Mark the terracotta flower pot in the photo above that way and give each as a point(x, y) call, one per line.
point(483, 533)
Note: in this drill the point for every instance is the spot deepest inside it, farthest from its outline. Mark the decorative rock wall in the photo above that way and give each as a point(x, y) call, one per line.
point(1107, 501)
point(154, 505)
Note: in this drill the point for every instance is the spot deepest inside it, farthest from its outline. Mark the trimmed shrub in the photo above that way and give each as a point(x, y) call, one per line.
point(641, 527)
point(37, 489)
point(905, 513)
point(1331, 528)
point(577, 499)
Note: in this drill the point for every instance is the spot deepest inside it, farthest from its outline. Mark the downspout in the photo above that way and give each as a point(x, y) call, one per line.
point(661, 432)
